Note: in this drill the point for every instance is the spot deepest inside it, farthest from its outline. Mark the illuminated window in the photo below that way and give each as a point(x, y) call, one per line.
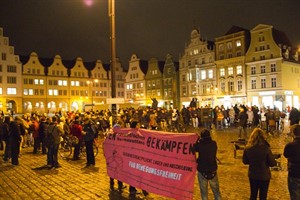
point(238, 43)
point(222, 72)
point(11, 90)
point(239, 69)
point(230, 70)
point(0, 90)
point(203, 74)
point(210, 73)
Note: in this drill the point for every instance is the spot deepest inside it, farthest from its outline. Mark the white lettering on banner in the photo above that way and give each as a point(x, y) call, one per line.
point(155, 171)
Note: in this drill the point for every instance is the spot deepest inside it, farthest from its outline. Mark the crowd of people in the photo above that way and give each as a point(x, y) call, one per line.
point(44, 133)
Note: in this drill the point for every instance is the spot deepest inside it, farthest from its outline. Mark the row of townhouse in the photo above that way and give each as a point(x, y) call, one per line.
point(257, 67)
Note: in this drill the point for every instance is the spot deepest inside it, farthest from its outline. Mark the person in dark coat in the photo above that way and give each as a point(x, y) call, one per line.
point(260, 158)
point(42, 133)
point(15, 139)
point(89, 132)
point(6, 138)
point(207, 165)
point(294, 116)
point(292, 153)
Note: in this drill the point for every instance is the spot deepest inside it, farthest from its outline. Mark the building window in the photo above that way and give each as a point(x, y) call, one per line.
point(0, 90)
point(240, 85)
point(273, 82)
point(253, 84)
point(11, 90)
point(0, 68)
point(253, 70)
point(231, 86)
point(203, 74)
point(262, 57)
point(11, 80)
point(210, 73)
point(262, 69)
point(238, 43)
point(0, 79)
point(230, 71)
point(3, 56)
point(273, 67)
point(11, 68)
point(229, 45)
point(223, 86)
point(222, 72)
point(183, 91)
point(221, 47)
point(263, 83)
point(239, 69)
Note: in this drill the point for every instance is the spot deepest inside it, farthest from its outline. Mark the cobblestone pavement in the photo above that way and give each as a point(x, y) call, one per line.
point(30, 180)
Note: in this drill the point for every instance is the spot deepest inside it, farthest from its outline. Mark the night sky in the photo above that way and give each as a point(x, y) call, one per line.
point(149, 28)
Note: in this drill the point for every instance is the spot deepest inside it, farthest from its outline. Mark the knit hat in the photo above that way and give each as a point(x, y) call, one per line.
point(205, 133)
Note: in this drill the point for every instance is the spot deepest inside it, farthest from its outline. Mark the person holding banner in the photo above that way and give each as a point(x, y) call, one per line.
point(207, 165)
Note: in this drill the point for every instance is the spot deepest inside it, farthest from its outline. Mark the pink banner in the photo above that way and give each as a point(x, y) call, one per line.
point(158, 162)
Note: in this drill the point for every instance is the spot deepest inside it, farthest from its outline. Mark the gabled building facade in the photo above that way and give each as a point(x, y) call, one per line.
point(135, 89)
point(10, 77)
point(197, 71)
point(231, 69)
point(170, 80)
point(153, 79)
point(273, 70)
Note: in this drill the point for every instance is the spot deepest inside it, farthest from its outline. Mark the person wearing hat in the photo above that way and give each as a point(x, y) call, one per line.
point(292, 153)
point(206, 148)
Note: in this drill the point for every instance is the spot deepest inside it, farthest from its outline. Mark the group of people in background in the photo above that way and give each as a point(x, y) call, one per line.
point(45, 133)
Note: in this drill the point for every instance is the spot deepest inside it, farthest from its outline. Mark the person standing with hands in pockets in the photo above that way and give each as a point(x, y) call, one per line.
point(207, 165)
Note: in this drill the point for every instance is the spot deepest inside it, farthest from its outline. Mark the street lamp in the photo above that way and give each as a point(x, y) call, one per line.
point(111, 14)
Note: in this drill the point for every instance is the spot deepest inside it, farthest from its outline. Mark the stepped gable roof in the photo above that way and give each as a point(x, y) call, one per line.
point(69, 63)
point(144, 66)
point(24, 59)
point(161, 65)
point(235, 29)
point(281, 38)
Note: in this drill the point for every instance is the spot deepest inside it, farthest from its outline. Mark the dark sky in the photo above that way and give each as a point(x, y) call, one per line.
point(149, 28)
